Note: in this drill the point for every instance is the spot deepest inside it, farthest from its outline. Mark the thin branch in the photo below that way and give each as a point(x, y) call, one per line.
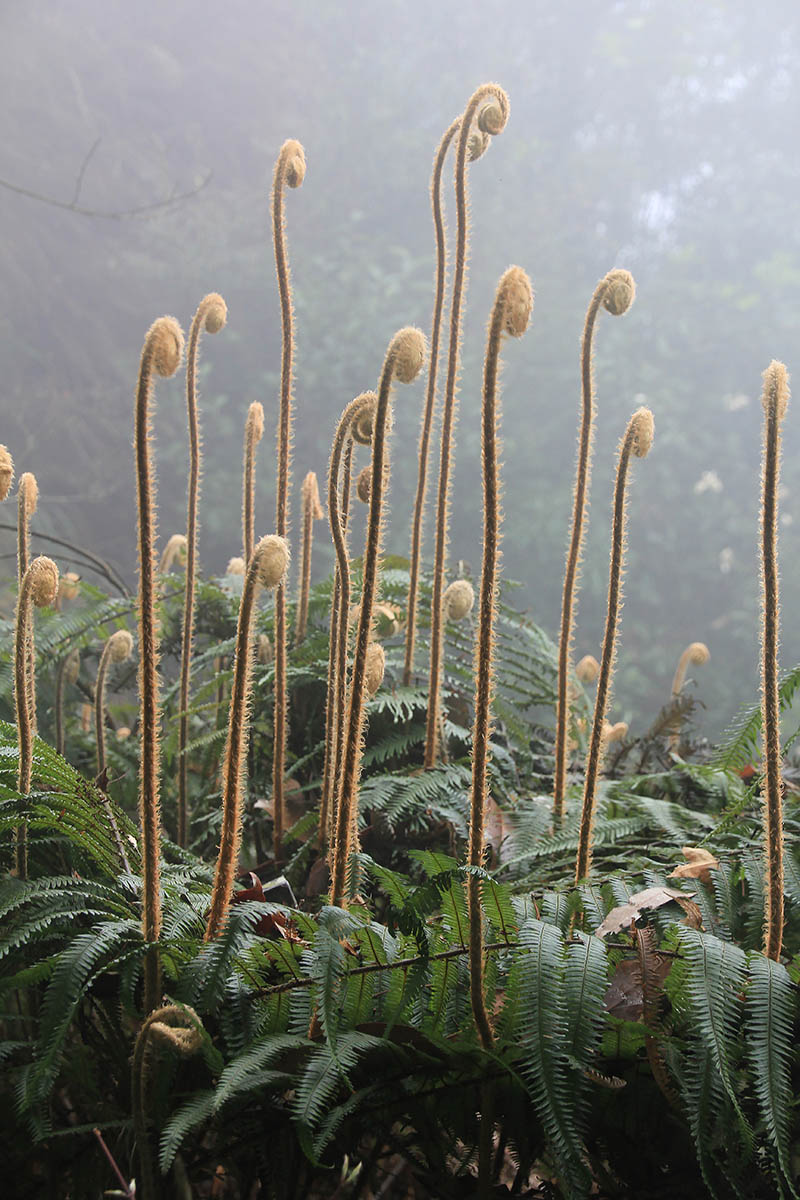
point(101, 566)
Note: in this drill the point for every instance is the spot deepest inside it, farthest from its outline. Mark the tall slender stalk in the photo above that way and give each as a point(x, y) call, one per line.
point(311, 511)
point(161, 352)
point(511, 313)
point(637, 440)
point(38, 588)
point(290, 171)
point(489, 104)
point(403, 361)
point(211, 315)
point(267, 568)
point(355, 424)
point(774, 398)
point(253, 433)
point(27, 502)
point(615, 292)
point(117, 649)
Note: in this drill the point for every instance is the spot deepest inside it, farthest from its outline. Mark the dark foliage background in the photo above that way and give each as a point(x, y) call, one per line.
point(659, 135)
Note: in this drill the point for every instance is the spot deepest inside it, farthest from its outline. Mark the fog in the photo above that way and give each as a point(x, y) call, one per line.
point(658, 136)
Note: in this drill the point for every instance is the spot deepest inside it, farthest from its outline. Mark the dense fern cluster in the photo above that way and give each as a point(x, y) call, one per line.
point(316, 927)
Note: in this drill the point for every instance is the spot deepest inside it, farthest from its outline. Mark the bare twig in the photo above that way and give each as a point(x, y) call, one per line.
point(100, 565)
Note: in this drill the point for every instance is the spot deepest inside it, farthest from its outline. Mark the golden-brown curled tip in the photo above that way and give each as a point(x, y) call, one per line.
point(477, 145)
point(493, 115)
point(264, 652)
point(123, 733)
point(255, 421)
point(614, 733)
point(699, 653)
point(215, 312)
point(374, 667)
point(272, 555)
point(364, 484)
point(294, 157)
point(310, 495)
point(588, 669)
point(43, 576)
point(68, 586)
point(458, 600)
point(175, 549)
point(515, 294)
point(6, 472)
point(643, 430)
point(363, 423)
point(72, 667)
point(619, 292)
point(776, 387)
point(166, 338)
point(235, 567)
point(29, 490)
point(120, 646)
point(408, 351)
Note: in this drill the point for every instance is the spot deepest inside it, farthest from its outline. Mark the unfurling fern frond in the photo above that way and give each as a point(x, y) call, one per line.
point(770, 1010)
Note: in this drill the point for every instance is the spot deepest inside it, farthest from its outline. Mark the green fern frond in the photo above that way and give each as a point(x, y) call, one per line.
point(770, 1010)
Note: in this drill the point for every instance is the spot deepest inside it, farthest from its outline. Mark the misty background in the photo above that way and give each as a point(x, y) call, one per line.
point(656, 135)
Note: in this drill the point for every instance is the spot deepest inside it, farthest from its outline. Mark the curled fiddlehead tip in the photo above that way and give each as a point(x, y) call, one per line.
point(175, 549)
point(235, 567)
point(516, 294)
point(166, 338)
point(6, 472)
point(458, 600)
point(363, 423)
point(374, 667)
point(310, 495)
point(477, 145)
point(120, 646)
point(264, 651)
point(643, 430)
point(614, 733)
point(29, 490)
point(216, 312)
point(272, 553)
point(776, 387)
point(68, 586)
point(408, 353)
point(588, 669)
point(493, 115)
point(698, 652)
point(364, 484)
point(255, 421)
point(43, 574)
point(294, 157)
point(620, 292)
point(123, 733)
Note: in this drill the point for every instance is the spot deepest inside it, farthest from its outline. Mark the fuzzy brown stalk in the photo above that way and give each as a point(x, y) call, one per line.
point(211, 315)
point(403, 361)
point(67, 672)
point(510, 315)
point(253, 433)
point(117, 649)
point(290, 171)
point(637, 440)
point(774, 398)
point(180, 1029)
point(161, 352)
point(27, 502)
point(615, 292)
point(267, 568)
point(358, 411)
point(312, 512)
point(430, 398)
point(39, 588)
point(490, 105)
